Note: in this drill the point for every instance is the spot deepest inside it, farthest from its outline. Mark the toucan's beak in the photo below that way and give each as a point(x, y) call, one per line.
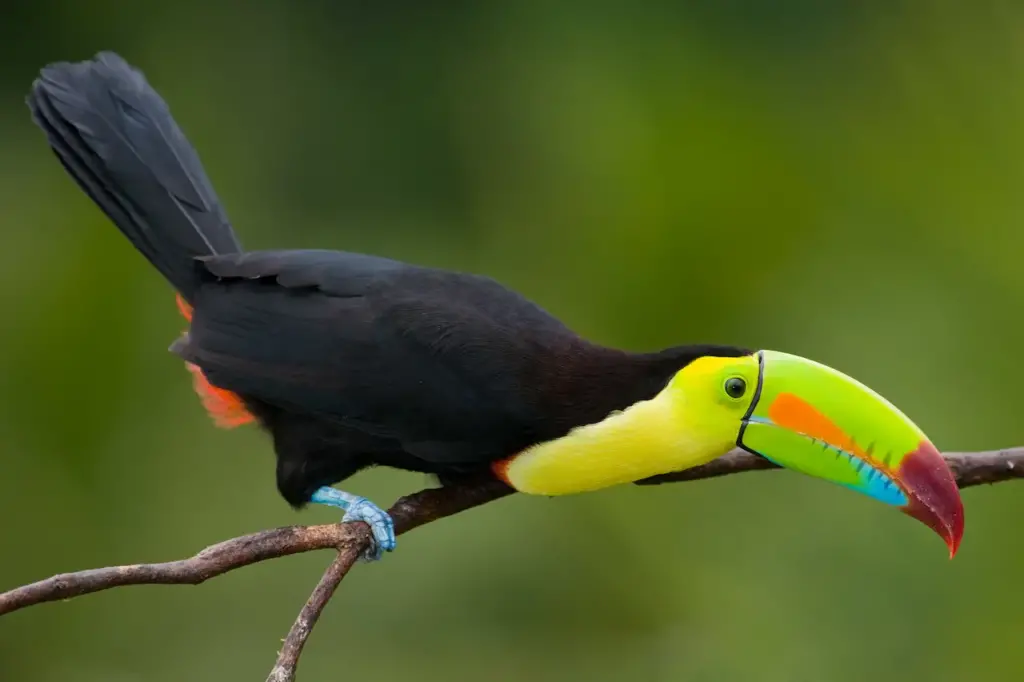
point(813, 419)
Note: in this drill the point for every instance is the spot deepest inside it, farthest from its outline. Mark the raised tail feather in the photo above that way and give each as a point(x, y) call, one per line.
point(115, 136)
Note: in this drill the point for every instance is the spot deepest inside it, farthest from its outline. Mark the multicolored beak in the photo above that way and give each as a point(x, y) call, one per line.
point(813, 419)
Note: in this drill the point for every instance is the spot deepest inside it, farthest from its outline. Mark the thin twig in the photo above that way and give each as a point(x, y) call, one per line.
point(288, 659)
point(970, 468)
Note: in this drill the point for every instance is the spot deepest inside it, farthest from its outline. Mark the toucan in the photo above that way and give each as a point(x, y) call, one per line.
point(351, 361)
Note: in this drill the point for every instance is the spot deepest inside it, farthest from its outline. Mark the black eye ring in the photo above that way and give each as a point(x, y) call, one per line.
point(735, 387)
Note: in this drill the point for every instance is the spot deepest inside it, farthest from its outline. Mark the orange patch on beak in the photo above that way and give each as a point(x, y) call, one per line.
point(795, 414)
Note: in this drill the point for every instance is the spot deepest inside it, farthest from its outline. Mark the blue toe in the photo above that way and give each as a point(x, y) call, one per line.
point(361, 509)
point(381, 526)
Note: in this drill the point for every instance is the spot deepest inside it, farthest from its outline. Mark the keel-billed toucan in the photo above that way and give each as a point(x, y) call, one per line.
point(351, 361)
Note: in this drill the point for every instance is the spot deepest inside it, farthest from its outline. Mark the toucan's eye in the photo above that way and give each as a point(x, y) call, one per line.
point(735, 387)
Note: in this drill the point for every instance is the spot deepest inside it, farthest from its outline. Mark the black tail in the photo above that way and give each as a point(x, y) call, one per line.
point(115, 135)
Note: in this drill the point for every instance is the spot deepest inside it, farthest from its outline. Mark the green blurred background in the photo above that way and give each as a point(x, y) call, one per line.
point(835, 179)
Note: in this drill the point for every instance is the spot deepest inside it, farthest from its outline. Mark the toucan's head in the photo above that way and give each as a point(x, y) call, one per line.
point(811, 418)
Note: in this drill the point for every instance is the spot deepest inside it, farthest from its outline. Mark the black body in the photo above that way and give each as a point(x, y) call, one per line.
point(348, 360)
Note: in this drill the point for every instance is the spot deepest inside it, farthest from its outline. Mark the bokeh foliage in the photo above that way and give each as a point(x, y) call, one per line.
point(839, 180)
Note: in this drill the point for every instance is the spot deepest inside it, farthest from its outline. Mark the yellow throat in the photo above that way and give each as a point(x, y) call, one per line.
point(656, 436)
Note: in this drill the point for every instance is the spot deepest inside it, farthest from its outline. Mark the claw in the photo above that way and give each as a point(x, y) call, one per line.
point(382, 527)
point(380, 523)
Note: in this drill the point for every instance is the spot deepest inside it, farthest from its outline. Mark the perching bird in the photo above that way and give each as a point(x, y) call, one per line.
point(350, 361)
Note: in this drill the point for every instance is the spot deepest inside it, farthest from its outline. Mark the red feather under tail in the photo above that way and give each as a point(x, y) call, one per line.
point(225, 408)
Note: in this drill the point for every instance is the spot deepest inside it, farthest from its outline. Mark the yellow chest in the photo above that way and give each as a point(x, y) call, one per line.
point(647, 439)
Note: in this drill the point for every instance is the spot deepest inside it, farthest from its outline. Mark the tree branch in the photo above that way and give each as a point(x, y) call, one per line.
point(971, 468)
point(408, 513)
point(288, 658)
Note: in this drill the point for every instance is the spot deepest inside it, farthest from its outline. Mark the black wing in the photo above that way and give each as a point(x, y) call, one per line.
point(450, 365)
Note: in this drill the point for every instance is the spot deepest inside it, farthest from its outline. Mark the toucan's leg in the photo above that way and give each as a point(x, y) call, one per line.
point(361, 509)
point(311, 455)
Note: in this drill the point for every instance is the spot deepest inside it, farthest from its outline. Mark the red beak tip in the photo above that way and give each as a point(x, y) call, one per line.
point(954, 545)
point(934, 495)
point(956, 534)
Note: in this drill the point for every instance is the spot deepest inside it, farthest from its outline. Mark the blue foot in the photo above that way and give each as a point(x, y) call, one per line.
point(361, 509)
